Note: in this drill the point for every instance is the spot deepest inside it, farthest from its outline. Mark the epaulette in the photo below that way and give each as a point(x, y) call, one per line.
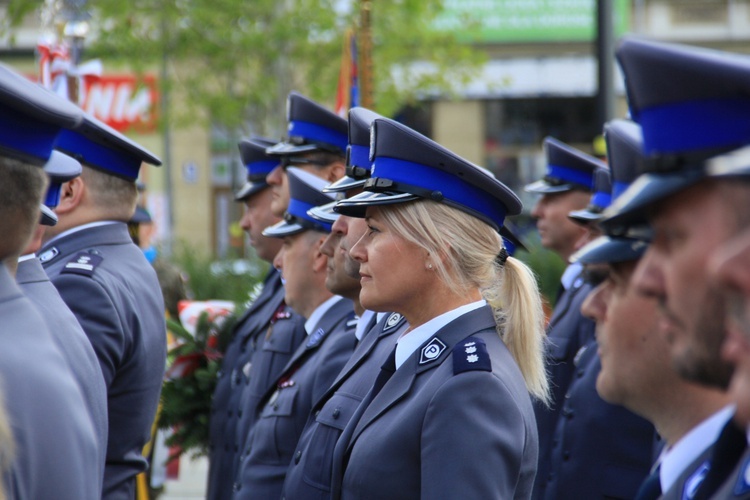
point(84, 263)
point(470, 355)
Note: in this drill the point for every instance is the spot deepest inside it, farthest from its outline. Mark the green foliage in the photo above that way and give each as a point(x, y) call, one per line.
point(187, 392)
point(546, 264)
point(208, 279)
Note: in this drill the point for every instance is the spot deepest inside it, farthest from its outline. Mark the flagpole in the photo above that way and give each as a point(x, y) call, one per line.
point(365, 56)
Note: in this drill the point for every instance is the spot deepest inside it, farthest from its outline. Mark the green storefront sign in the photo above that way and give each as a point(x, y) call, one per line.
point(527, 20)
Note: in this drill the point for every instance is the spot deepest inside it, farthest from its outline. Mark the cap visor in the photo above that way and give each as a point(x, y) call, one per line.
point(48, 217)
point(281, 229)
point(249, 189)
point(324, 213)
point(584, 216)
point(543, 187)
point(356, 206)
point(606, 249)
point(632, 206)
point(513, 239)
point(344, 184)
point(62, 168)
point(287, 148)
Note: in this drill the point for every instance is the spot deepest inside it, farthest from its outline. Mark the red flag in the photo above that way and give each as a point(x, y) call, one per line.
point(347, 94)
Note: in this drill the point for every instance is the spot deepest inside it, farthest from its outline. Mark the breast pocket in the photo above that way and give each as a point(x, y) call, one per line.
point(329, 424)
point(275, 438)
point(557, 349)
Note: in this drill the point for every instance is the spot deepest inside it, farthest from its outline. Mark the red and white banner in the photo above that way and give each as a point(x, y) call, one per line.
point(122, 101)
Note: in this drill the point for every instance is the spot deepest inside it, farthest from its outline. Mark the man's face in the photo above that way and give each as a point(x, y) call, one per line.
point(296, 262)
point(339, 278)
point(557, 232)
point(256, 218)
point(687, 228)
point(279, 184)
point(634, 358)
point(731, 268)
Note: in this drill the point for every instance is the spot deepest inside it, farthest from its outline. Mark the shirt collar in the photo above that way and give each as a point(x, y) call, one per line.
point(362, 324)
point(28, 256)
point(570, 274)
point(81, 228)
point(410, 341)
point(319, 312)
point(684, 452)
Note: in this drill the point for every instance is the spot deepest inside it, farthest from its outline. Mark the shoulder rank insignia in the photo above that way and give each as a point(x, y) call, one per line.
point(431, 351)
point(394, 319)
point(470, 355)
point(743, 480)
point(83, 263)
point(316, 338)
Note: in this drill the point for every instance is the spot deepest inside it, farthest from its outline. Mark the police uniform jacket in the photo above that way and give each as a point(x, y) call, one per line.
point(567, 332)
point(113, 291)
point(243, 352)
point(284, 409)
point(72, 343)
point(56, 447)
point(599, 450)
point(309, 474)
point(737, 486)
point(445, 427)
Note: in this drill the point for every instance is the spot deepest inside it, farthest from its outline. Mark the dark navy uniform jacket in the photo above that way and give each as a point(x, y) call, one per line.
point(113, 291)
point(56, 448)
point(309, 474)
point(242, 363)
point(599, 450)
point(441, 428)
point(567, 332)
point(72, 343)
point(284, 409)
point(737, 486)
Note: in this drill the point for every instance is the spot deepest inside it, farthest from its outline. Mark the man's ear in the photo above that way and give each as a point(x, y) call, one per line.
point(71, 195)
point(336, 171)
point(320, 261)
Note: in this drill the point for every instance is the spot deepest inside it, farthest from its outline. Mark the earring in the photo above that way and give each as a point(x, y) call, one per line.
point(429, 266)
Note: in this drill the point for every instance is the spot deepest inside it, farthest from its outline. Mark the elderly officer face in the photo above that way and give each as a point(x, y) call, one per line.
point(687, 228)
point(339, 279)
point(557, 232)
point(300, 262)
point(731, 267)
point(394, 272)
point(256, 218)
point(323, 165)
point(634, 360)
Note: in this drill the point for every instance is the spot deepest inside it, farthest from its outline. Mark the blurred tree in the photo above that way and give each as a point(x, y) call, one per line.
point(234, 61)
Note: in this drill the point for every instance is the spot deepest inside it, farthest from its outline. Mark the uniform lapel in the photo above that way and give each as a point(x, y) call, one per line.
point(30, 271)
point(566, 301)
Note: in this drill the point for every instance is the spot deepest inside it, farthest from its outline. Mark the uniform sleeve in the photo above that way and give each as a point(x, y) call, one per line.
point(96, 312)
point(473, 440)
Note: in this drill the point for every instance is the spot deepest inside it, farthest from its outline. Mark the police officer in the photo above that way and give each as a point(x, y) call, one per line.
point(264, 338)
point(56, 453)
point(688, 104)
point(309, 474)
point(635, 369)
point(64, 327)
point(449, 415)
point(565, 188)
point(330, 341)
point(109, 285)
point(316, 143)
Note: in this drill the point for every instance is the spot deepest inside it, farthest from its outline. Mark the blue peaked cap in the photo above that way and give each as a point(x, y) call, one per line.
point(567, 168)
point(358, 163)
point(408, 166)
point(59, 169)
point(311, 127)
point(305, 193)
point(693, 105)
point(600, 199)
point(99, 146)
point(257, 164)
point(31, 118)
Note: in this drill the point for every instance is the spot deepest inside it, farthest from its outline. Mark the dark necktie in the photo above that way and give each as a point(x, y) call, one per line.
point(650, 488)
point(386, 372)
point(727, 451)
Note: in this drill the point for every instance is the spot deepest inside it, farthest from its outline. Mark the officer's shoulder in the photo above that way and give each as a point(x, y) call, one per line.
point(471, 354)
point(84, 263)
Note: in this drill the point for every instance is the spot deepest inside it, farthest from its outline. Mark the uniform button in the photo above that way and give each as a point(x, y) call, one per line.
point(566, 456)
point(237, 487)
point(297, 456)
point(580, 373)
point(275, 406)
point(236, 448)
point(239, 413)
point(336, 413)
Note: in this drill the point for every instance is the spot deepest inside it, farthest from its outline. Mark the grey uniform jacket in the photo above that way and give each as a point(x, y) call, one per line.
point(240, 357)
point(443, 426)
point(113, 291)
point(56, 449)
point(309, 474)
point(73, 345)
point(284, 410)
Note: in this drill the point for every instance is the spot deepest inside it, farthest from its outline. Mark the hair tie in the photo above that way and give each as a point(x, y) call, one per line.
point(502, 256)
